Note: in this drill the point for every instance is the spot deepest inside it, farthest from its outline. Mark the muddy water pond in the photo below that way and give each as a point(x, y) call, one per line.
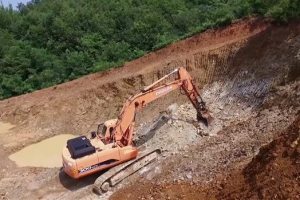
point(46, 153)
point(5, 127)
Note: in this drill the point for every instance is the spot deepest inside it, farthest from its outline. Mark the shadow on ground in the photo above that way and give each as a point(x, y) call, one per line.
point(76, 184)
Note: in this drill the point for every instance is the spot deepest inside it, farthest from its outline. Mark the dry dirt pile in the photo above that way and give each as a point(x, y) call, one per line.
point(273, 174)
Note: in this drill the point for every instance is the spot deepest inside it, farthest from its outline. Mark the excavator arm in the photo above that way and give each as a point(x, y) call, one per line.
point(123, 131)
point(112, 148)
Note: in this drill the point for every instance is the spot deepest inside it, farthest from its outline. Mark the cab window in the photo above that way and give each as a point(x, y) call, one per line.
point(104, 131)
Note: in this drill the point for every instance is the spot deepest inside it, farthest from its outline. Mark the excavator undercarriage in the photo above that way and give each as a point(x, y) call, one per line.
point(115, 175)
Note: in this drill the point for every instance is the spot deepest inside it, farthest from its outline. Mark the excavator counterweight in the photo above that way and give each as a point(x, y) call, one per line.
point(111, 146)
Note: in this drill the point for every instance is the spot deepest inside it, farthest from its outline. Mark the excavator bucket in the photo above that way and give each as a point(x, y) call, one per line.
point(206, 118)
point(209, 120)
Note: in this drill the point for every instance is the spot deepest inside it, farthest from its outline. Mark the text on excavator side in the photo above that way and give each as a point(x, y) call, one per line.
point(163, 90)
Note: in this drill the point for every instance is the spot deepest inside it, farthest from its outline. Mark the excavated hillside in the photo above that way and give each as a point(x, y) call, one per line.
point(249, 73)
point(273, 173)
point(75, 106)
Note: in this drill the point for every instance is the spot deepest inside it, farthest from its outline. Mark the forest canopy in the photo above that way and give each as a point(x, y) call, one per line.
point(48, 42)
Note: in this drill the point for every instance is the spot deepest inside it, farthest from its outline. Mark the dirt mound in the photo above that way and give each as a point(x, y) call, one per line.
point(273, 174)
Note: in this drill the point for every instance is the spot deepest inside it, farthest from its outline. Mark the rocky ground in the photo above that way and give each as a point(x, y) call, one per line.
point(198, 158)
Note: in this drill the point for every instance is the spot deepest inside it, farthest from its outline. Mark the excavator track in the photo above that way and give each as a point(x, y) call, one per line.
point(118, 173)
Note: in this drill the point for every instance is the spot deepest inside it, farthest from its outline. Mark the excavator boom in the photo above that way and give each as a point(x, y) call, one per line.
point(123, 130)
point(112, 147)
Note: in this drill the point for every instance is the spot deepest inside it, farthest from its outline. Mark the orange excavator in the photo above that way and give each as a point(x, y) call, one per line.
point(111, 146)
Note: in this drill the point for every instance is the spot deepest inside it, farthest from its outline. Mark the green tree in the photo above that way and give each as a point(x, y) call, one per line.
point(44, 43)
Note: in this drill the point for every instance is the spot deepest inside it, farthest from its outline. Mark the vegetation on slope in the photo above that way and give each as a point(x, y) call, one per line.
point(48, 42)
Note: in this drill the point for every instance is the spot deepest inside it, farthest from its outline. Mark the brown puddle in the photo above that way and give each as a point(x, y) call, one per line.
point(5, 127)
point(46, 153)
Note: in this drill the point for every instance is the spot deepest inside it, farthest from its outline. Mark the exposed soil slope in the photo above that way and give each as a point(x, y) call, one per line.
point(273, 173)
point(222, 167)
point(249, 72)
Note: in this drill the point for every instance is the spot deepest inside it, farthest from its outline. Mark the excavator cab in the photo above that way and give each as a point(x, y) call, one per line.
point(101, 130)
point(105, 129)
